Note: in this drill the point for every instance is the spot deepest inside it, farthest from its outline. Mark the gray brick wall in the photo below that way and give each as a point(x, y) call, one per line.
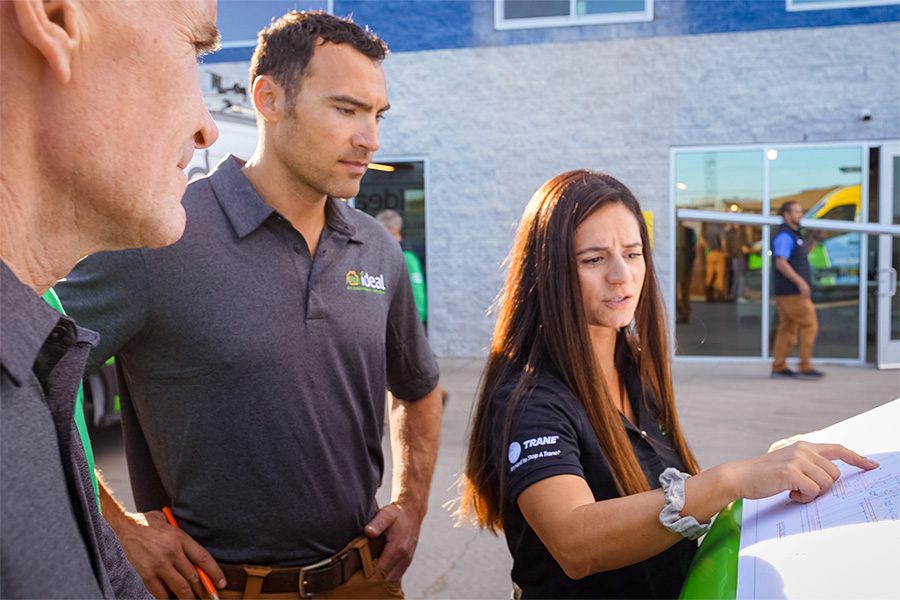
point(496, 122)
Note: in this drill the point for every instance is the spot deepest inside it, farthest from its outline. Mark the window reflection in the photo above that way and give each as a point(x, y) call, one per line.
point(824, 181)
point(719, 266)
point(718, 289)
point(526, 9)
point(600, 7)
point(725, 181)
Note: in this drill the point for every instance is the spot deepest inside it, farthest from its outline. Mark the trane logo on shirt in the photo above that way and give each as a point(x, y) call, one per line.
point(515, 450)
point(364, 282)
point(540, 441)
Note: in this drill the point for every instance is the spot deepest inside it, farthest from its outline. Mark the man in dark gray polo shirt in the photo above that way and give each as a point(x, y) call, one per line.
point(256, 351)
point(72, 115)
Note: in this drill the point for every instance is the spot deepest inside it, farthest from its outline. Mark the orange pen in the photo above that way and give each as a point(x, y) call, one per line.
point(204, 578)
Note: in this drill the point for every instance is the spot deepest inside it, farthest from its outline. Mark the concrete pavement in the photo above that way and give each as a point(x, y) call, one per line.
point(728, 410)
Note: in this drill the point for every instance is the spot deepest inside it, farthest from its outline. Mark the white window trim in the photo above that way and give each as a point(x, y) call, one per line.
point(570, 20)
point(792, 6)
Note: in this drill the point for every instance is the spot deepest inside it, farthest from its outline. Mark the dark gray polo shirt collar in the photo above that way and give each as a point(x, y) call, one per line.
point(27, 323)
point(247, 211)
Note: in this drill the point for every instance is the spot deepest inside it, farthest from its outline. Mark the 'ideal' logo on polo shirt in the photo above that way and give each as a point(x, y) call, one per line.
point(364, 282)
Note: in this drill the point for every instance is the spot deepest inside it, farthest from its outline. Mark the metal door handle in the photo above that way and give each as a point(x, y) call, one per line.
point(892, 282)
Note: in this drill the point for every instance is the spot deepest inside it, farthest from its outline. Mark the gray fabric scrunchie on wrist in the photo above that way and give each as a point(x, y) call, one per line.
point(672, 482)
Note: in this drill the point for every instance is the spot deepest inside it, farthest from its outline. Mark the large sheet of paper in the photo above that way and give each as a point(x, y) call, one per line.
point(844, 544)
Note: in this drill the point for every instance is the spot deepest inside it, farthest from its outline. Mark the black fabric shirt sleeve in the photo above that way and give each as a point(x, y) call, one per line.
point(543, 440)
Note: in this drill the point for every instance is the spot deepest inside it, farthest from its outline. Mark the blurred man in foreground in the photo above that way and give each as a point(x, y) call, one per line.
point(80, 173)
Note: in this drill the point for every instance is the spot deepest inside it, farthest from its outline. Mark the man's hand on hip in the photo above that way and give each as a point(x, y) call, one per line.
point(401, 530)
point(164, 556)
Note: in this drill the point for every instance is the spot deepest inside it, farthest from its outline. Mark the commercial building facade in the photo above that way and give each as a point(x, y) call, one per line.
point(713, 113)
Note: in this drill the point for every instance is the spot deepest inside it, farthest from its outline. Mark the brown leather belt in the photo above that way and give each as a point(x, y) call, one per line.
point(317, 578)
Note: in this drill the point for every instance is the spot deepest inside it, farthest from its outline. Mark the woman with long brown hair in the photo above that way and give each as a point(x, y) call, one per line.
point(575, 427)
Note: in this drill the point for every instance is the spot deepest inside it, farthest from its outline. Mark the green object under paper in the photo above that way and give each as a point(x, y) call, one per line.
point(713, 574)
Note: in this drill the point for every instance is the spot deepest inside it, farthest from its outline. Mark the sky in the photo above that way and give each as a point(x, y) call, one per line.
point(738, 174)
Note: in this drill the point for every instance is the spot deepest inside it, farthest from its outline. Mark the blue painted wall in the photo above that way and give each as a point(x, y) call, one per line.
point(413, 25)
point(416, 25)
point(240, 20)
point(715, 16)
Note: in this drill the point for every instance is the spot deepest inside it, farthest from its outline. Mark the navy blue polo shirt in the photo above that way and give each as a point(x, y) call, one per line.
point(550, 435)
point(255, 375)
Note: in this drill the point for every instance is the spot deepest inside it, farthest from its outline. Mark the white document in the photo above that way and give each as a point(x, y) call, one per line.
point(844, 544)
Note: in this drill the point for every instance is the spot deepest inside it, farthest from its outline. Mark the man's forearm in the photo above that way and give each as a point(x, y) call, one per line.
point(415, 436)
point(125, 580)
point(113, 510)
point(120, 521)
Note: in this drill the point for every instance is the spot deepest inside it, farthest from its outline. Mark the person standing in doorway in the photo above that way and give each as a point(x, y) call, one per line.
point(793, 297)
point(393, 222)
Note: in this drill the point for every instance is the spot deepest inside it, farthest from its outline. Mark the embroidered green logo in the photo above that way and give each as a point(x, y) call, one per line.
point(364, 282)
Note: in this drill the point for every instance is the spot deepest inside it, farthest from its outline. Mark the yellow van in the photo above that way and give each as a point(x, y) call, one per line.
point(842, 204)
point(835, 259)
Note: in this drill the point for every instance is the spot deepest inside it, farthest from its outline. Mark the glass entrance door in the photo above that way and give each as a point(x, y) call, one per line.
point(889, 260)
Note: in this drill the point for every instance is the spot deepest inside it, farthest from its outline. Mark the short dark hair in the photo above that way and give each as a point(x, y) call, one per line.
point(285, 47)
point(787, 206)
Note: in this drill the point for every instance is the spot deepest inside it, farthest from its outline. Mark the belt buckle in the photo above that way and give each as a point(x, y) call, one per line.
point(301, 577)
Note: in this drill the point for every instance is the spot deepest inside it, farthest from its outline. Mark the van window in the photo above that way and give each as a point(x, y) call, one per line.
point(845, 212)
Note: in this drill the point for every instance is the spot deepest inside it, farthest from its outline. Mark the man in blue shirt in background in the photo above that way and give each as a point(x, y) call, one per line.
point(793, 299)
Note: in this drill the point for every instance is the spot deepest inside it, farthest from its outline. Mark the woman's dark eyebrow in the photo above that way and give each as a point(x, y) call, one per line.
point(603, 248)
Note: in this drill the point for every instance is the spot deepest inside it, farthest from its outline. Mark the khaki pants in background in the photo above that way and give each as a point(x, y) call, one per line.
point(715, 274)
point(796, 315)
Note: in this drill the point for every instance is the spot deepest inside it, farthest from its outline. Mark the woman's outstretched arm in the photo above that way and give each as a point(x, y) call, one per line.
point(587, 537)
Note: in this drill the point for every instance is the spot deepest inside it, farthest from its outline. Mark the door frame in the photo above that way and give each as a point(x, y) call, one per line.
point(888, 350)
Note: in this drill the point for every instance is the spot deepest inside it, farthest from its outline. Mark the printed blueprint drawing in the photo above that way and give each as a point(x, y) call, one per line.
point(845, 543)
